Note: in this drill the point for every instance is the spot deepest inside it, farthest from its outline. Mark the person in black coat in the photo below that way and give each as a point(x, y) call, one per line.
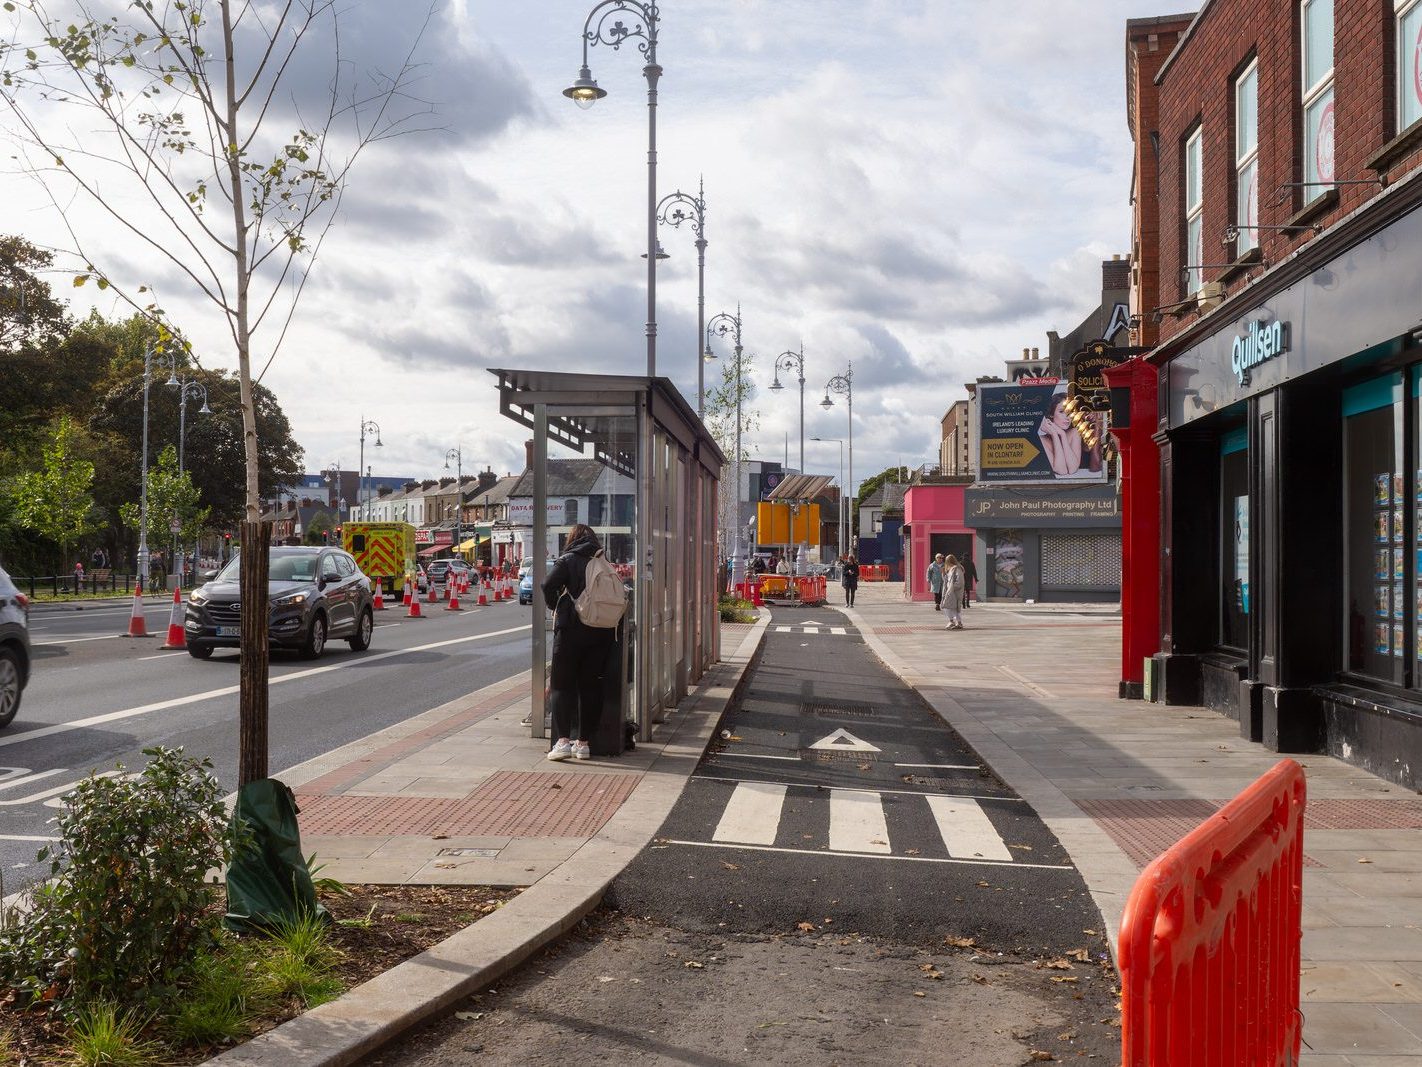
point(850, 579)
point(970, 576)
point(580, 652)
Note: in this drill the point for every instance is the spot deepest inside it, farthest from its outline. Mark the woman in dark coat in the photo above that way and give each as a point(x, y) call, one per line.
point(851, 579)
point(579, 652)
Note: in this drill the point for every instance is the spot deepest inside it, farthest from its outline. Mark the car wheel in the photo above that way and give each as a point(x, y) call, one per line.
point(364, 628)
point(200, 651)
point(10, 685)
point(315, 642)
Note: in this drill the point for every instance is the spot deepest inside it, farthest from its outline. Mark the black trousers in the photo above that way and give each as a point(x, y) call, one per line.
point(937, 599)
point(580, 656)
point(849, 595)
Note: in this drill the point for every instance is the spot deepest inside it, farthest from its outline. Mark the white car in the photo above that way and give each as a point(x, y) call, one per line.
point(14, 647)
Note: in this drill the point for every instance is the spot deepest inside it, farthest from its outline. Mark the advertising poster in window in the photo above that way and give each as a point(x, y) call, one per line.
point(1241, 554)
point(1026, 435)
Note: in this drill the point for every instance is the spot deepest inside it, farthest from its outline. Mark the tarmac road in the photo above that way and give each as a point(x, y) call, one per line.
point(841, 882)
point(98, 697)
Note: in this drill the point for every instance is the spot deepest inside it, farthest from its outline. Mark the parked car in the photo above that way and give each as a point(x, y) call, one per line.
point(525, 586)
point(316, 594)
point(14, 647)
point(440, 569)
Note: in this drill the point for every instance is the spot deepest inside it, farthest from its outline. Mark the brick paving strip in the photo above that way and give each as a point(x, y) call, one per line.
point(1119, 781)
point(462, 794)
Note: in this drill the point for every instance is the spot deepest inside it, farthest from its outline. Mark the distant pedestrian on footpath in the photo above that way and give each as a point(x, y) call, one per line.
point(580, 652)
point(970, 578)
point(935, 581)
point(78, 576)
point(850, 579)
point(953, 593)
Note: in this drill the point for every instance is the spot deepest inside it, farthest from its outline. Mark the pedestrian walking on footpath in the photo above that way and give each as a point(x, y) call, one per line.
point(580, 652)
point(970, 578)
point(78, 576)
point(935, 581)
point(953, 593)
point(850, 579)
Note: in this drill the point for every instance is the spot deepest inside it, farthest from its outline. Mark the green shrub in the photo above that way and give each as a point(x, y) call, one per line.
point(104, 1035)
point(733, 609)
point(125, 913)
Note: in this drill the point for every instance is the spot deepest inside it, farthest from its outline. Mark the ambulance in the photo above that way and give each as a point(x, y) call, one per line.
point(384, 551)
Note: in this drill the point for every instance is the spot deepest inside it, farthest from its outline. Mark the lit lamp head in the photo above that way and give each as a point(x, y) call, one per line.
point(708, 355)
point(584, 92)
point(827, 403)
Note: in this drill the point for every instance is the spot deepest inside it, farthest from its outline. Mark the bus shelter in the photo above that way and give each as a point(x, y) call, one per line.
point(653, 505)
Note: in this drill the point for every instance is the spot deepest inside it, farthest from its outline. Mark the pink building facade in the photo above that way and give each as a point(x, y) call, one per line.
point(933, 523)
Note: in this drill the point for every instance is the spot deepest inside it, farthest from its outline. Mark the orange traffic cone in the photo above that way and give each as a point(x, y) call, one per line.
point(431, 598)
point(483, 593)
point(176, 637)
point(453, 604)
point(405, 600)
point(379, 604)
point(137, 625)
point(498, 597)
point(413, 611)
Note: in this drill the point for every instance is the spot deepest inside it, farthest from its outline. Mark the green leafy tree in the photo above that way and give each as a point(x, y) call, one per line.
point(171, 494)
point(320, 524)
point(55, 501)
point(720, 418)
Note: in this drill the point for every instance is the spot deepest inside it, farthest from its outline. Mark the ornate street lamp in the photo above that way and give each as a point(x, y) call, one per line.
point(794, 361)
point(457, 454)
point(367, 426)
point(676, 208)
point(585, 92)
point(843, 385)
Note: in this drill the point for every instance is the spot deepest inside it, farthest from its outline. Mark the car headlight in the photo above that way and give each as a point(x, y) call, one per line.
point(290, 600)
point(198, 597)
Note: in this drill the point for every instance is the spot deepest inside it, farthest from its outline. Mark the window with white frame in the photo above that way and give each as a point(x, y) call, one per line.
point(1409, 62)
point(1246, 158)
point(1317, 28)
point(1194, 211)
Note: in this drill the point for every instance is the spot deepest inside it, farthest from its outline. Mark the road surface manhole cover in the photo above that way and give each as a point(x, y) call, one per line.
point(841, 710)
point(477, 853)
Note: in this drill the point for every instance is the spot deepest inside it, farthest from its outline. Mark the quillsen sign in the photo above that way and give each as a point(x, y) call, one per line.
point(1262, 342)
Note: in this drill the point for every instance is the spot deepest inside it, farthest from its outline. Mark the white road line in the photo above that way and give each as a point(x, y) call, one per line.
point(81, 640)
point(782, 629)
point(196, 698)
point(875, 792)
point(838, 631)
point(52, 791)
point(162, 655)
point(966, 830)
point(857, 822)
point(942, 766)
point(10, 781)
point(751, 755)
point(25, 837)
point(752, 814)
point(867, 856)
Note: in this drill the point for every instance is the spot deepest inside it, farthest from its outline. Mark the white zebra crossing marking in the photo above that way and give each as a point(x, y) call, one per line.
point(752, 814)
point(857, 823)
point(966, 830)
point(812, 629)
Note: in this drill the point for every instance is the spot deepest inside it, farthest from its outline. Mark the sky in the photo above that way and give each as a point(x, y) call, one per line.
point(921, 187)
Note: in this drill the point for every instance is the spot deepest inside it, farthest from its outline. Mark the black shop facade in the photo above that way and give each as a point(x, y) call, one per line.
point(1290, 435)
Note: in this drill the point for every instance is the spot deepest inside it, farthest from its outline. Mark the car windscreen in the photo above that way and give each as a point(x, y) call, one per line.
point(283, 569)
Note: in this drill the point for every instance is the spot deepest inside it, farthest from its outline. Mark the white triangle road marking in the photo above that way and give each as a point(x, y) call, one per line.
point(843, 741)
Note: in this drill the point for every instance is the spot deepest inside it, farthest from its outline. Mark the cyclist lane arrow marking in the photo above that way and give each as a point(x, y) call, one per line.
point(843, 741)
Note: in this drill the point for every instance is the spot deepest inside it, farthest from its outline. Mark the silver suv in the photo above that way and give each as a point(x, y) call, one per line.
point(14, 647)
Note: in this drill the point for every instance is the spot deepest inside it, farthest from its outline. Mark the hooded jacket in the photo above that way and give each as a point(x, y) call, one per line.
point(569, 575)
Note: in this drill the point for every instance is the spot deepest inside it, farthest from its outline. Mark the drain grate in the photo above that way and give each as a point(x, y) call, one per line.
point(822, 756)
point(942, 783)
point(481, 853)
point(841, 709)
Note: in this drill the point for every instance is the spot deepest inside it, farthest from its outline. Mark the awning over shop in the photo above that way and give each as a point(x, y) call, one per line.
point(425, 553)
point(471, 544)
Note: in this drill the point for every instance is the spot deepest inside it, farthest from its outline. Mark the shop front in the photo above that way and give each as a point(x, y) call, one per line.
point(1291, 482)
point(1047, 543)
point(933, 523)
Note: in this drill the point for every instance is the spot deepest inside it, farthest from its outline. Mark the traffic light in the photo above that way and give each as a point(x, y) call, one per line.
point(227, 537)
point(338, 535)
point(1083, 416)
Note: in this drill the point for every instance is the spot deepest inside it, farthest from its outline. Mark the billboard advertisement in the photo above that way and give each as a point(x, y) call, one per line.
point(1025, 434)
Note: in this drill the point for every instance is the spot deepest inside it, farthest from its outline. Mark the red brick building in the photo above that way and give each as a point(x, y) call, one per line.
point(1278, 274)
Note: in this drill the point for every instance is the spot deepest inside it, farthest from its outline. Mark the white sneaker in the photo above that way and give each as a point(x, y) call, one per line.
point(561, 751)
point(581, 750)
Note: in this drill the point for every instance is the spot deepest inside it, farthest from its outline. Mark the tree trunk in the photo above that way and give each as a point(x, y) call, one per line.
point(252, 701)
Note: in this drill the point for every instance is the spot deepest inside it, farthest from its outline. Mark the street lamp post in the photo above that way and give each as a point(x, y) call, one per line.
point(725, 324)
point(840, 525)
point(794, 361)
point(187, 387)
point(585, 92)
point(673, 211)
point(457, 454)
point(143, 478)
point(367, 426)
point(843, 384)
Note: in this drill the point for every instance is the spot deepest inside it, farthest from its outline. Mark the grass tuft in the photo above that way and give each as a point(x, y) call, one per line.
point(299, 962)
point(104, 1036)
point(216, 1008)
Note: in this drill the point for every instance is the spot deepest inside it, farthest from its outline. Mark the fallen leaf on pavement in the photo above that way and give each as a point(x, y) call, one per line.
point(730, 866)
point(866, 766)
point(1038, 1056)
point(919, 993)
point(606, 978)
point(1365, 861)
point(441, 837)
point(469, 1016)
point(980, 979)
point(1079, 954)
point(910, 852)
point(1091, 933)
point(446, 866)
point(1058, 965)
point(960, 942)
point(693, 965)
point(806, 927)
point(1062, 978)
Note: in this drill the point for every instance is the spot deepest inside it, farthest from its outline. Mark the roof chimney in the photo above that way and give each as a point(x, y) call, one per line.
point(1034, 352)
point(487, 480)
point(528, 455)
point(1024, 353)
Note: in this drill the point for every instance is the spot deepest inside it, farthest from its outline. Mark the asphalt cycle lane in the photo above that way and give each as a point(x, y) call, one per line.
point(835, 792)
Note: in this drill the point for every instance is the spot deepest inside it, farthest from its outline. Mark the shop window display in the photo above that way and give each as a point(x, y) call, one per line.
point(1234, 537)
point(1375, 507)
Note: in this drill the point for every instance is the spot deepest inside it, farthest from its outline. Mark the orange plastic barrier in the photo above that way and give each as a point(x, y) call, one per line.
point(774, 585)
point(810, 590)
point(873, 572)
point(1209, 947)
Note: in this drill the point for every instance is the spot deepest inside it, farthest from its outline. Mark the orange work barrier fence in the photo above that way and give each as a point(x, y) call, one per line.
point(873, 572)
point(1209, 947)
